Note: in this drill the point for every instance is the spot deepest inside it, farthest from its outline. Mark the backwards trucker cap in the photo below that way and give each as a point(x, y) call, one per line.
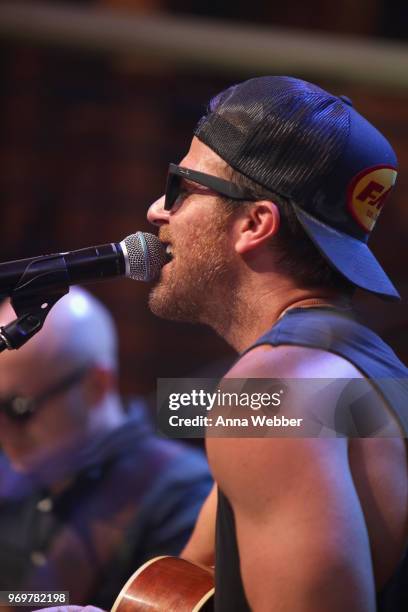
point(312, 147)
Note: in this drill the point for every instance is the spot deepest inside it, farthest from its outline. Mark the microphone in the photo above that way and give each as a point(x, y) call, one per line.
point(140, 256)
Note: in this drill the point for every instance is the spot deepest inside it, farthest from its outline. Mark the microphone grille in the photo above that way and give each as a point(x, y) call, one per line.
point(146, 256)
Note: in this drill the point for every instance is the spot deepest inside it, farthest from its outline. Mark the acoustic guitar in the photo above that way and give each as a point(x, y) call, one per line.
point(167, 584)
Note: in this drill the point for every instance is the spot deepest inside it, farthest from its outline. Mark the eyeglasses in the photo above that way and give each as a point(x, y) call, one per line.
point(22, 407)
point(176, 174)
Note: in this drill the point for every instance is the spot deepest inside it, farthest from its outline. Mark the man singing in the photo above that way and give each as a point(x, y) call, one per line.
point(266, 220)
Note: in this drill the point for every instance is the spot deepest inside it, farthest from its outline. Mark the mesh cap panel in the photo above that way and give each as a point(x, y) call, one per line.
point(283, 133)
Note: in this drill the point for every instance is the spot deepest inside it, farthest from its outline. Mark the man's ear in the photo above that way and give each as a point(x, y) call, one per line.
point(259, 222)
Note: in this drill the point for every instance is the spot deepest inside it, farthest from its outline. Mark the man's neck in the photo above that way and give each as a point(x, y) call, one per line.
point(258, 311)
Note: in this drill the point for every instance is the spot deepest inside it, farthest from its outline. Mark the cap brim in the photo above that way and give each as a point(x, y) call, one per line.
point(350, 256)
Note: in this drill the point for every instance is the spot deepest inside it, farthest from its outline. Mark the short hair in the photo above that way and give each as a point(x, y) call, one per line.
point(296, 255)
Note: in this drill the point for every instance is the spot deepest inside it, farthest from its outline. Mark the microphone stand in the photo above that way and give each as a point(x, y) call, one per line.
point(32, 299)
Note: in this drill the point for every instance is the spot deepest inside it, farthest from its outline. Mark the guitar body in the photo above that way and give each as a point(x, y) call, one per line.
point(167, 584)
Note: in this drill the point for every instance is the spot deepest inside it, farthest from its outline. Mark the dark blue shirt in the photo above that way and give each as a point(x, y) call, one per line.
point(131, 496)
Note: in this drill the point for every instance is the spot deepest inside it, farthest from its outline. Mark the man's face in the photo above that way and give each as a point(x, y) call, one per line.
point(200, 275)
point(28, 442)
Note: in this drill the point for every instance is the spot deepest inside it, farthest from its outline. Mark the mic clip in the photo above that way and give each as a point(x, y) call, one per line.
point(32, 299)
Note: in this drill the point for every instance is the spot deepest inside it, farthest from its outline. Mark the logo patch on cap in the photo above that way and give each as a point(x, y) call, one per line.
point(367, 194)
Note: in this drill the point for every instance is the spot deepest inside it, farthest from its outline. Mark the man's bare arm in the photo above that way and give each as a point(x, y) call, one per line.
point(301, 534)
point(200, 547)
point(302, 539)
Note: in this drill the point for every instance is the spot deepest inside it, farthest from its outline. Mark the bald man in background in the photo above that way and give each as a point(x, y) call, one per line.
point(87, 492)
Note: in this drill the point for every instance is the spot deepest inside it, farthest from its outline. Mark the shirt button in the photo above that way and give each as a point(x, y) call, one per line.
point(38, 558)
point(45, 505)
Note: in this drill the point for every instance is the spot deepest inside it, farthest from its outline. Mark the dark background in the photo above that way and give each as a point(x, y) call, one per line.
point(86, 138)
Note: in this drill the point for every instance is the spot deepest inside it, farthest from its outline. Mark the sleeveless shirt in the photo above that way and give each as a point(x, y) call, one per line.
point(335, 331)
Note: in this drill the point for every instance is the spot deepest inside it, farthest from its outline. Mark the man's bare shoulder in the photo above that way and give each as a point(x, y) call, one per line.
point(318, 391)
point(243, 464)
point(288, 361)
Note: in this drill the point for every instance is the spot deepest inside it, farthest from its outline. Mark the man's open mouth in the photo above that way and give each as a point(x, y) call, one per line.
point(169, 251)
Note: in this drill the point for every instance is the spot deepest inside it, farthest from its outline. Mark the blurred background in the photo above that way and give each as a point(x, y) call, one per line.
point(98, 96)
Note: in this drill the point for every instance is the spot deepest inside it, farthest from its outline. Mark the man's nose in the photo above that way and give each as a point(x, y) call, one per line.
point(157, 214)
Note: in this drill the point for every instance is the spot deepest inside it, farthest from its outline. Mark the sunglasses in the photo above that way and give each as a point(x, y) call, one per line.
point(19, 407)
point(176, 174)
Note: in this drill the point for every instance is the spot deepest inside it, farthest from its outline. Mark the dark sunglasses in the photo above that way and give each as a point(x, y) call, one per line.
point(22, 407)
point(176, 174)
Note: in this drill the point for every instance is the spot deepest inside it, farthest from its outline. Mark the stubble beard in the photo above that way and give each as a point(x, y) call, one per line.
point(200, 285)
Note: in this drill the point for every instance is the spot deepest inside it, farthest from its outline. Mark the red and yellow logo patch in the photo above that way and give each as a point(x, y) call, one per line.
point(367, 194)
